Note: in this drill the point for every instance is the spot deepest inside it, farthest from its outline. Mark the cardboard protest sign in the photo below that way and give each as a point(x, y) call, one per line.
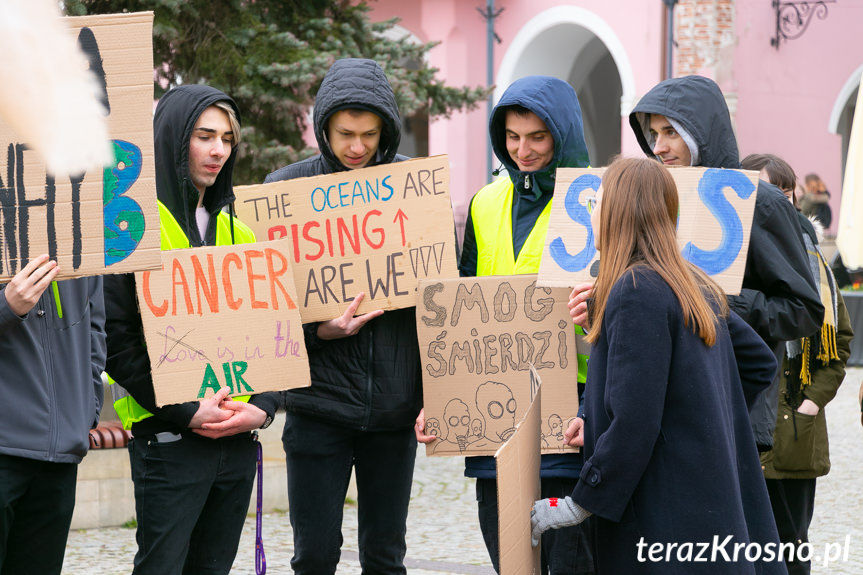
point(376, 230)
point(517, 489)
point(227, 315)
point(478, 338)
point(104, 220)
point(716, 208)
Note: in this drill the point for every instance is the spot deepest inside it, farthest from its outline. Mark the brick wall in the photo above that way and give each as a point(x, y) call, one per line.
point(704, 31)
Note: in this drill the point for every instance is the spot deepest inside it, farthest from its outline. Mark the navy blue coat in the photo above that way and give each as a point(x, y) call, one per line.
point(669, 453)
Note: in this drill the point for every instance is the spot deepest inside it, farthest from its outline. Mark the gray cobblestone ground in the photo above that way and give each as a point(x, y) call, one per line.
point(443, 534)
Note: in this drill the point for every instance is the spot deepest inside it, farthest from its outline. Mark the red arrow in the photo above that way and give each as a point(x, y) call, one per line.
point(401, 217)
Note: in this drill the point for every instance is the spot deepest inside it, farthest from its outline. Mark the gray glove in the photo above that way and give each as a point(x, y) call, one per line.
point(554, 513)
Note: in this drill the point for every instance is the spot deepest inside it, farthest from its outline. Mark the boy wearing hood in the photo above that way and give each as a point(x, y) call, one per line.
point(685, 122)
point(193, 464)
point(535, 128)
point(366, 378)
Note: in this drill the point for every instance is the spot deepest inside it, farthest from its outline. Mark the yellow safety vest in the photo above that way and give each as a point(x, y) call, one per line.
point(491, 214)
point(173, 237)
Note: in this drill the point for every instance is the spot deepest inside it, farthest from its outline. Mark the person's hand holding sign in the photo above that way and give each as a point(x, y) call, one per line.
point(210, 410)
point(578, 303)
point(243, 417)
point(347, 325)
point(420, 428)
point(25, 289)
point(574, 434)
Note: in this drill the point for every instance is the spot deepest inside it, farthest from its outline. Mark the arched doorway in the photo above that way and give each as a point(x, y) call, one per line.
point(588, 55)
point(842, 116)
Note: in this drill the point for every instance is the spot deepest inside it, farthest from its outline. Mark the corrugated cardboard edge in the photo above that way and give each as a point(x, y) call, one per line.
point(517, 489)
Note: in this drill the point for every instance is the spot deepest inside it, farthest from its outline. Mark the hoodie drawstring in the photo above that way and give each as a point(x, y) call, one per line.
point(56, 291)
point(231, 213)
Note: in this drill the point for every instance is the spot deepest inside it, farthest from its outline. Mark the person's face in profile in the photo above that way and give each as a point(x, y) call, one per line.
point(669, 146)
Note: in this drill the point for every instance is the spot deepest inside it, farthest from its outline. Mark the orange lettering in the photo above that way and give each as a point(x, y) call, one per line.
point(306, 236)
point(157, 311)
point(211, 289)
point(178, 279)
point(376, 230)
point(274, 278)
point(281, 230)
point(252, 277)
point(234, 304)
point(353, 239)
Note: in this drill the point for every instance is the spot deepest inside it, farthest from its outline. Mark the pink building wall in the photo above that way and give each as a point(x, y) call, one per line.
point(781, 100)
point(786, 97)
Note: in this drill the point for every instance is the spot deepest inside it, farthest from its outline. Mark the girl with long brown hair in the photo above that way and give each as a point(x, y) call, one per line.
point(670, 459)
point(640, 230)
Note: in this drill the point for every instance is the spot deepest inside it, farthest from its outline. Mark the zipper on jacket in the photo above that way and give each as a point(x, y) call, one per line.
point(369, 376)
point(53, 427)
point(527, 181)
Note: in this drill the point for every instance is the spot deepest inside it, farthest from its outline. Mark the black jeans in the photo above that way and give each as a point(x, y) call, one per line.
point(793, 501)
point(191, 498)
point(37, 499)
point(319, 459)
point(566, 551)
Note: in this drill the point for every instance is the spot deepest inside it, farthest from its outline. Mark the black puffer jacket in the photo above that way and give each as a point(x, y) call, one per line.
point(372, 380)
point(779, 298)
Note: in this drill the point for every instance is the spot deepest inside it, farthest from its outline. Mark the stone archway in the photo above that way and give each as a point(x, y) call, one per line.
point(588, 55)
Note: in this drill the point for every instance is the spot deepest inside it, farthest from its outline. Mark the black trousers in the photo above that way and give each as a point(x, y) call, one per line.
point(37, 499)
point(191, 500)
point(793, 501)
point(319, 459)
point(566, 551)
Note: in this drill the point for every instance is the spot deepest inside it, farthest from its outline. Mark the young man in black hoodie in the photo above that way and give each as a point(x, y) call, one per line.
point(193, 464)
point(685, 122)
point(366, 379)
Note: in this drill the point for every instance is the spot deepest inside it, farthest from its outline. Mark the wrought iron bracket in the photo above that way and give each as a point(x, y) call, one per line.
point(793, 17)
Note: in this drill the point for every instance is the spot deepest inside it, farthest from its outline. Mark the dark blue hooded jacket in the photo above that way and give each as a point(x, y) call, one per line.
point(779, 298)
point(555, 103)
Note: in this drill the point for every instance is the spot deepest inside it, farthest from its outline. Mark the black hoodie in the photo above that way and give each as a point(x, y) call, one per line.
point(354, 83)
point(371, 381)
point(128, 363)
point(779, 298)
point(175, 117)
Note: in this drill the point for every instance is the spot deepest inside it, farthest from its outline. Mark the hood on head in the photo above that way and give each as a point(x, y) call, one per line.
point(175, 117)
point(697, 104)
point(360, 84)
point(555, 103)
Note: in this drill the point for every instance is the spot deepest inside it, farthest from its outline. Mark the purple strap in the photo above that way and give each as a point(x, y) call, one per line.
point(260, 557)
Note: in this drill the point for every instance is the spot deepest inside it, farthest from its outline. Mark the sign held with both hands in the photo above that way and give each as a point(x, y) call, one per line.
point(223, 316)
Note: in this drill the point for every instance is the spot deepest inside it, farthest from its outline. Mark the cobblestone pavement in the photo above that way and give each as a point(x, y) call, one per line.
point(443, 533)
